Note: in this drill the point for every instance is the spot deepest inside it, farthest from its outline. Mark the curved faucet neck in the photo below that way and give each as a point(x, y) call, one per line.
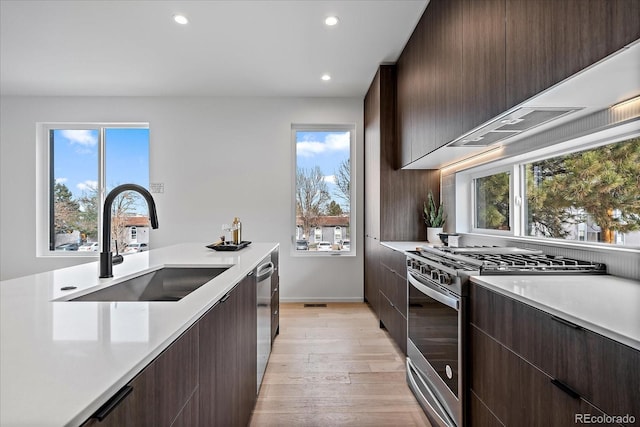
point(105, 254)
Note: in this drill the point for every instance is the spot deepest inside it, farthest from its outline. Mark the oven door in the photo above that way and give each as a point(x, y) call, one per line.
point(434, 348)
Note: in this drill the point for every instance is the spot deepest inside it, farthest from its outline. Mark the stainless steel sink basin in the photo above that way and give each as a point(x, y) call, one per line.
point(165, 284)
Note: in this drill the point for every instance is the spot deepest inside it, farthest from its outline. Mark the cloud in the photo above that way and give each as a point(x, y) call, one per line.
point(333, 142)
point(86, 138)
point(61, 180)
point(87, 185)
point(331, 179)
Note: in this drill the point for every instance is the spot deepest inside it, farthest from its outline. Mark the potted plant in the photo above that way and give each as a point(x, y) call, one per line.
point(433, 218)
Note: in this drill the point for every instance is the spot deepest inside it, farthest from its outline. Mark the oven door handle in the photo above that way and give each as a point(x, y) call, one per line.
point(433, 293)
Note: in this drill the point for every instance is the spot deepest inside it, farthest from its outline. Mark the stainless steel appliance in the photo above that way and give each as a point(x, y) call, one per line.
point(437, 298)
point(435, 348)
point(263, 276)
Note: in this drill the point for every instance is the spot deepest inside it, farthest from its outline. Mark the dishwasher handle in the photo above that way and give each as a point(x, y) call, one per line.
point(265, 271)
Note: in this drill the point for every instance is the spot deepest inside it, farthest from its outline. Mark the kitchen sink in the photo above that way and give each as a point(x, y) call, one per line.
point(165, 284)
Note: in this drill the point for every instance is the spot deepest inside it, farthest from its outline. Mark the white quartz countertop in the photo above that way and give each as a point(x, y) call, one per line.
point(405, 246)
point(607, 305)
point(60, 361)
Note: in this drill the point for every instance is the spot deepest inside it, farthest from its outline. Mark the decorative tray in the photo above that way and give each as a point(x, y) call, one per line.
point(227, 246)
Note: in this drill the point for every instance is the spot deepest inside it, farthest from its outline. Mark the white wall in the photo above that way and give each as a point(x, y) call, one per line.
point(217, 157)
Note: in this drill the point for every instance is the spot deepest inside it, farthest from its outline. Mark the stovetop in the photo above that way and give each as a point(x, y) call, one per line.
point(495, 260)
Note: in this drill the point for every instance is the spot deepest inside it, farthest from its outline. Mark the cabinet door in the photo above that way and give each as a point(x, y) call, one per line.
point(447, 70)
point(219, 404)
point(372, 273)
point(547, 43)
point(246, 340)
point(161, 391)
point(483, 81)
point(372, 159)
point(275, 296)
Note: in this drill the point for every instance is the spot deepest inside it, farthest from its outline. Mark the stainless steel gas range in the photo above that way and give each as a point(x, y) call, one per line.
point(438, 282)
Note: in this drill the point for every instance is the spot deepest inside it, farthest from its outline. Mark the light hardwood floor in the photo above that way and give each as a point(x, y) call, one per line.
point(334, 366)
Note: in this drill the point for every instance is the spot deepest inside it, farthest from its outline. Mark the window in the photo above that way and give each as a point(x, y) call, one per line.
point(84, 163)
point(590, 194)
point(323, 192)
point(492, 197)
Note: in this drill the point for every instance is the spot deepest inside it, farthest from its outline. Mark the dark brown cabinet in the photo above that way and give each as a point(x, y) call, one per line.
point(546, 43)
point(526, 355)
point(275, 296)
point(483, 79)
point(468, 61)
point(165, 393)
point(430, 82)
point(393, 197)
point(208, 376)
point(393, 295)
point(228, 361)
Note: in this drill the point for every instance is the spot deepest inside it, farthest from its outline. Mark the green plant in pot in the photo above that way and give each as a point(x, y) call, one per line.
point(433, 218)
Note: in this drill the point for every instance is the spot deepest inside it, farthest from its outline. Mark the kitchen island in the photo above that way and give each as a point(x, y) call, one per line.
point(61, 360)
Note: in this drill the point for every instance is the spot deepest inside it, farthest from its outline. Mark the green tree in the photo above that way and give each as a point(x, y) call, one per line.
point(343, 182)
point(603, 184)
point(492, 201)
point(88, 216)
point(66, 210)
point(334, 209)
point(312, 196)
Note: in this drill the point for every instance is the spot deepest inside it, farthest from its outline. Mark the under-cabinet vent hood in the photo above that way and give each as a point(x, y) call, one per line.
point(509, 125)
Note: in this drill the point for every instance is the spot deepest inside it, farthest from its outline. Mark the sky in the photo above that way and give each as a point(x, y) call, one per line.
point(75, 158)
point(324, 149)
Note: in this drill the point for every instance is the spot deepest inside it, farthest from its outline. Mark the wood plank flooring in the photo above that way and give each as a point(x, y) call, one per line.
point(334, 366)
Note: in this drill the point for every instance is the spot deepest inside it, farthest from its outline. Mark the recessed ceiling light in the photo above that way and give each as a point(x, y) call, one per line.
point(326, 77)
point(181, 19)
point(331, 21)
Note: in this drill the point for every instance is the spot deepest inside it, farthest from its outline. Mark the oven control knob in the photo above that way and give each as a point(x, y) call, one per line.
point(435, 274)
point(445, 279)
point(424, 269)
point(449, 371)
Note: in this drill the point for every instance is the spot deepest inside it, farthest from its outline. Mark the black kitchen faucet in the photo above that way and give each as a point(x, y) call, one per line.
point(107, 260)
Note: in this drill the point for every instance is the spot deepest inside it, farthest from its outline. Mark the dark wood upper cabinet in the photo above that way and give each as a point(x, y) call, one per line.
point(430, 82)
point(468, 61)
point(483, 82)
point(547, 42)
point(447, 70)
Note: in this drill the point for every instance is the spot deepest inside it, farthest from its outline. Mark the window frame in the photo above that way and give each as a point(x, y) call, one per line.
point(324, 127)
point(465, 191)
point(44, 179)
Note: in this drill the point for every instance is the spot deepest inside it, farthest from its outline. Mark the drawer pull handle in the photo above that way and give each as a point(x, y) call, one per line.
point(562, 386)
point(226, 297)
point(566, 322)
point(106, 409)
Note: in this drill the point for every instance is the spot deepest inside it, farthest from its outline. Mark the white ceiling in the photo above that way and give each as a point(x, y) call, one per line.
point(229, 48)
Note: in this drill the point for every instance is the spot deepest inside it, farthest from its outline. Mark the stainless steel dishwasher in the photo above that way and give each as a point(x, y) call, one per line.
point(263, 277)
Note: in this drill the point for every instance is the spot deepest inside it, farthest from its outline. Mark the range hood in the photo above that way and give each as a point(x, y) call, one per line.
point(509, 125)
point(596, 88)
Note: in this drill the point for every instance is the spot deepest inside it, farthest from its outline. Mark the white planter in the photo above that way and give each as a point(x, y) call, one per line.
point(432, 235)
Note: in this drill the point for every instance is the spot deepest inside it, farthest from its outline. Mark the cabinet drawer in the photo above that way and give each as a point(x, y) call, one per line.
point(394, 260)
point(388, 283)
point(394, 322)
point(595, 367)
point(161, 391)
point(517, 392)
